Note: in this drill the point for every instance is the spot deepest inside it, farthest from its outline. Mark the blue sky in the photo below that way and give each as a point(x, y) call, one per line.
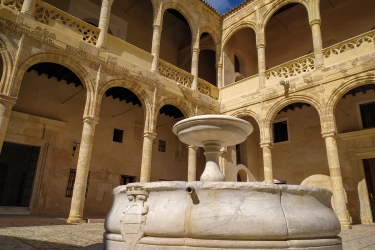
point(223, 5)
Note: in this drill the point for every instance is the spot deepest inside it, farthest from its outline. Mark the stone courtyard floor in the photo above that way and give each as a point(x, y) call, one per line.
point(25, 232)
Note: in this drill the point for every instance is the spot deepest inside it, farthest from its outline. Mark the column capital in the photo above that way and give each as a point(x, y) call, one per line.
point(91, 120)
point(110, 1)
point(192, 147)
point(149, 135)
point(219, 65)
point(261, 46)
point(315, 21)
point(195, 49)
point(329, 134)
point(266, 145)
point(9, 100)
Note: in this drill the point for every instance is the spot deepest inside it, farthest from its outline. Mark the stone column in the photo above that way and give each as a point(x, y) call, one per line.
point(317, 42)
point(262, 64)
point(267, 162)
point(155, 50)
point(336, 179)
point(219, 68)
point(80, 183)
point(148, 139)
point(28, 8)
point(105, 14)
point(192, 163)
point(6, 104)
point(194, 66)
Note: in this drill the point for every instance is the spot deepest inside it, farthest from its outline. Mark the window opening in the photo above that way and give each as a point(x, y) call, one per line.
point(71, 180)
point(118, 135)
point(126, 179)
point(236, 64)
point(280, 131)
point(162, 146)
point(367, 114)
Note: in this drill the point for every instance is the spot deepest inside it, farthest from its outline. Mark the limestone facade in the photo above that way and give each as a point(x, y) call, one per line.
point(252, 62)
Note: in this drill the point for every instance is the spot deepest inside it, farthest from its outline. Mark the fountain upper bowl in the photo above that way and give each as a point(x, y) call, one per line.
point(226, 130)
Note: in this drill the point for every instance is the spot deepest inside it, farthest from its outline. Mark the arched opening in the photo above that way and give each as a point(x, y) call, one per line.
point(241, 176)
point(288, 35)
point(117, 151)
point(356, 109)
point(38, 153)
point(176, 39)
point(299, 150)
point(355, 15)
point(355, 123)
point(2, 65)
point(249, 152)
point(170, 155)
point(240, 55)
point(207, 59)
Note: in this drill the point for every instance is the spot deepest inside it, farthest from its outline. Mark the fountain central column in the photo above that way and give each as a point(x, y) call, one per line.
point(212, 171)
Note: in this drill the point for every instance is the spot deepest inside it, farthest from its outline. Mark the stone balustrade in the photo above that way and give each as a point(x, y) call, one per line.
point(350, 44)
point(293, 68)
point(13, 4)
point(208, 89)
point(176, 74)
point(47, 14)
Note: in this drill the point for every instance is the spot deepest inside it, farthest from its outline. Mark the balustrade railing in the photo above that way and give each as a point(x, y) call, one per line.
point(45, 13)
point(208, 89)
point(293, 68)
point(350, 44)
point(176, 74)
point(13, 4)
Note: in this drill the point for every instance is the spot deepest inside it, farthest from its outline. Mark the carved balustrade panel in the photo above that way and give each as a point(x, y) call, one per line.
point(293, 68)
point(45, 13)
point(13, 4)
point(350, 44)
point(208, 89)
point(172, 72)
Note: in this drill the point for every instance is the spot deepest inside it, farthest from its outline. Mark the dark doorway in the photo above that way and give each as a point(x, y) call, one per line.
point(369, 167)
point(18, 164)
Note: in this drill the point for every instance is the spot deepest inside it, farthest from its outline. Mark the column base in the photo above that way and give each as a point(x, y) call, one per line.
point(75, 220)
point(345, 225)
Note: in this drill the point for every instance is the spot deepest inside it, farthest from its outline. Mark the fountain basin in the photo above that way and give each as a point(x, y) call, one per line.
point(221, 215)
point(226, 130)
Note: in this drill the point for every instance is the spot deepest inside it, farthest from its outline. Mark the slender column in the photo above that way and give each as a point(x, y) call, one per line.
point(192, 163)
point(6, 104)
point(262, 64)
point(28, 7)
point(105, 14)
point(155, 50)
point(267, 162)
point(336, 179)
point(194, 66)
point(219, 68)
point(317, 41)
point(148, 139)
point(80, 183)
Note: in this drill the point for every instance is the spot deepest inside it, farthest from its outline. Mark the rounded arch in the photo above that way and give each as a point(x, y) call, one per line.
point(6, 71)
point(134, 87)
point(186, 111)
point(242, 175)
point(184, 11)
point(210, 31)
point(247, 112)
point(276, 107)
point(84, 76)
point(235, 29)
point(276, 6)
point(341, 90)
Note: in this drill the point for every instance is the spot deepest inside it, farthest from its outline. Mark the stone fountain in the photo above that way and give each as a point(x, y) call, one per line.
point(213, 214)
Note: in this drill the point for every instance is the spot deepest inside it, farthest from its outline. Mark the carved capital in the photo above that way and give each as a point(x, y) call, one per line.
point(266, 145)
point(91, 120)
point(261, 46)
point(316, 21)
point(329, 134)
point(150, 135)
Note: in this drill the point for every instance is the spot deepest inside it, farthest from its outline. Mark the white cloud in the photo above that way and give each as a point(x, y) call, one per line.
point(220, 5)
